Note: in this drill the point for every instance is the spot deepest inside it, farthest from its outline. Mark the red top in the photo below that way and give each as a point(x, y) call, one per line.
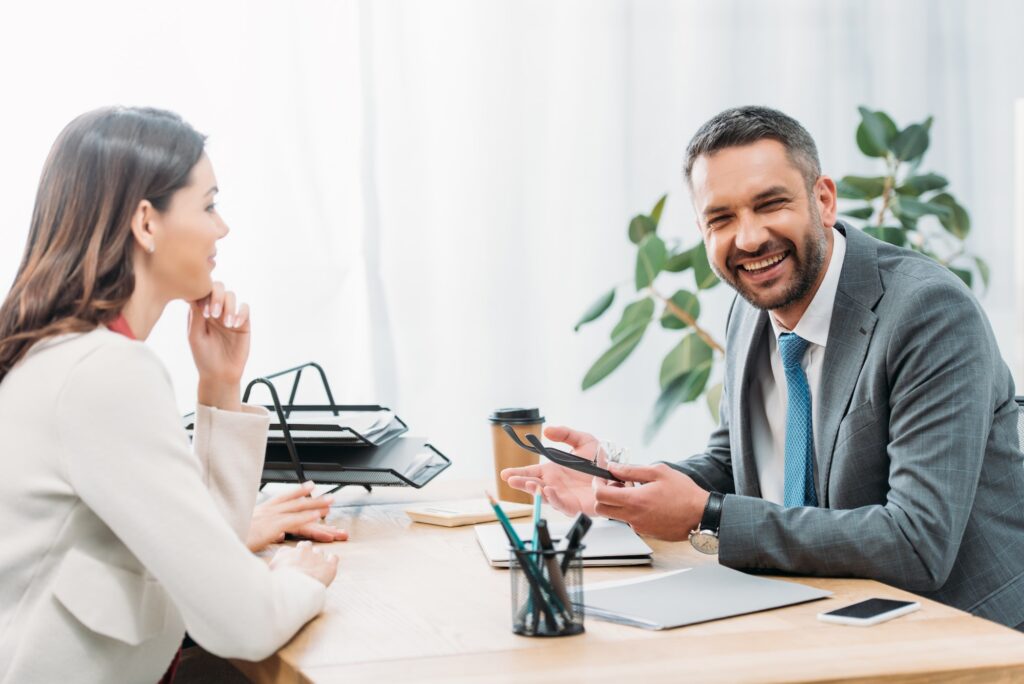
point(120, 326)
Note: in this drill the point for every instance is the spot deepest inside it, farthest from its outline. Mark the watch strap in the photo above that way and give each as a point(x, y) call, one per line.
point(712, 518)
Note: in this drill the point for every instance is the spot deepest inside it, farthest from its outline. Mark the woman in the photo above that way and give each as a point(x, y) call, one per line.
point(116, 536)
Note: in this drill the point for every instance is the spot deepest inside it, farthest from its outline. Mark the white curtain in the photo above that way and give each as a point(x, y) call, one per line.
point(425, 195)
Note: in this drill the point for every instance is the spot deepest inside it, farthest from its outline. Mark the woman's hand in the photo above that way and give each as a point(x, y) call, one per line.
point(304, 558)
point(294, 513)
point(218, 332)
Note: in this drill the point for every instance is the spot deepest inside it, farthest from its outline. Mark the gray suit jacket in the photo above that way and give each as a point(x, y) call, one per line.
point(918, 469)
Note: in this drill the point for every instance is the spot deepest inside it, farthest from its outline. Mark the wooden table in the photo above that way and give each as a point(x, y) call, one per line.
point(418, 603)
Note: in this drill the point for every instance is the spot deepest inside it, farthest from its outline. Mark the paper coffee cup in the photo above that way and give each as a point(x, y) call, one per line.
point(508, 454)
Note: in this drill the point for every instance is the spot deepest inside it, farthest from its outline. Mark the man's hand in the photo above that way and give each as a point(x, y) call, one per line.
point(569, 491)
point(667, 506)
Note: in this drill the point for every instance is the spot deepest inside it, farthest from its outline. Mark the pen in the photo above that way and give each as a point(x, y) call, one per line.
point(551, 561)
point(579, 528)
point(536, 580)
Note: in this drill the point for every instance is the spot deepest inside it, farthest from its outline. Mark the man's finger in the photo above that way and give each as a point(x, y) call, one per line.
point(533, 471)
point(617, 497)
point(525, 484)
point(574, 438)
point(636, 473)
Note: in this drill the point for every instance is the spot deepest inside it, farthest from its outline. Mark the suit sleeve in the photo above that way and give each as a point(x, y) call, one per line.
point(129, 461)
point(230, 446)
point(939, 365)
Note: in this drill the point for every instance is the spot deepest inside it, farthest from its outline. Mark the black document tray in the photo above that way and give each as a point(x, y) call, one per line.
point(383, 466)
point(329, 452)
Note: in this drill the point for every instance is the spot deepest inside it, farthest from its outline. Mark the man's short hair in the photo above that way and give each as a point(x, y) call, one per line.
point(747, 125)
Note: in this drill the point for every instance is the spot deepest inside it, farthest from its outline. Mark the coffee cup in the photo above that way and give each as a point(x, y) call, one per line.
point(508, 454)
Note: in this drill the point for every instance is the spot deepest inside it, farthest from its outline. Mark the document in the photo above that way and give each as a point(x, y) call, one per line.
point(608, 542)
point(692, 595)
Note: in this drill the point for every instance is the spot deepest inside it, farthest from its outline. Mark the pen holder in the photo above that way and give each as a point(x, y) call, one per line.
point(547, 601)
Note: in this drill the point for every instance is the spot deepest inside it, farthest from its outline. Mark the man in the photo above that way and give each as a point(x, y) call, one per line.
point(868, 425)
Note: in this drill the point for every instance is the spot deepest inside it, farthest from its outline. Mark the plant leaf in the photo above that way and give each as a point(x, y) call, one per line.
point(915, 208)
point(650, 260)
point(859, 212)
point(691, 352)
point(875, 132)
point(912, 141)
point(656, 211)
point(890, 234)
point(595, 310)
point(861, 187)
point(918, 185)
point(615, 355)
point(688, 302)
point(963, 274)
point(640, 227)
point(679, 262)
point(983, 270)
point(702, 273)
point(957, 221)
point(684, 389)
point(714, 398)
point(637, 313)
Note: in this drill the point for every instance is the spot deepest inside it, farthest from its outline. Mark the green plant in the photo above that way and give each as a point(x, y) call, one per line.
point(901, 206)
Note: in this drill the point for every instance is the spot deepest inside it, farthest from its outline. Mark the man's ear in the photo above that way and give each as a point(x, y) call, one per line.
point(142, 226)
point(825, 195)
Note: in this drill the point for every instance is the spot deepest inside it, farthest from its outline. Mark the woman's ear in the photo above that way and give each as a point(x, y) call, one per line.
point(142, 228)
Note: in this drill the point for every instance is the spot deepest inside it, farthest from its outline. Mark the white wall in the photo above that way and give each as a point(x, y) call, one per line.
point(426, 195)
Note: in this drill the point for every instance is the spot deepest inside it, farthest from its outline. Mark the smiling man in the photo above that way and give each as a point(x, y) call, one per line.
point(868, 424)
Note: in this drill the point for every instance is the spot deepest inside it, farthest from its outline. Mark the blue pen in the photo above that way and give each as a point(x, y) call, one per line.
point(536, 519)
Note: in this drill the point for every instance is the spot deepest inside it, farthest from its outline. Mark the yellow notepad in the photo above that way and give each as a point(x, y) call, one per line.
point(464, 512)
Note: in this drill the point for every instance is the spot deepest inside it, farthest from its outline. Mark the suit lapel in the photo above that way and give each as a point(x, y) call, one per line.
point(853, 323)
point(749, 340)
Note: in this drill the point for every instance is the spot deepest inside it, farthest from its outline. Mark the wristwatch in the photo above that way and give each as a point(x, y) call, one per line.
point(705, 537)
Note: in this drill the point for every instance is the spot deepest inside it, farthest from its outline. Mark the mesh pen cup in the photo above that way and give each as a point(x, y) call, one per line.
point(547, 591)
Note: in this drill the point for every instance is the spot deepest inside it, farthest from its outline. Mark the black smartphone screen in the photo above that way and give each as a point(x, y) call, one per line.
point(869, 608)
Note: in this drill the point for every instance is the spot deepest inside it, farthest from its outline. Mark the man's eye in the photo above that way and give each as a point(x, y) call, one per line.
point(717, 221)
point(773, 204)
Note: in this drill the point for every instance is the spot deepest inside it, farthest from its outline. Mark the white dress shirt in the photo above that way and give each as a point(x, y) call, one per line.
point(768, 416)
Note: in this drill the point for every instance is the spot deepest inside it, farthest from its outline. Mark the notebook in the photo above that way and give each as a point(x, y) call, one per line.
point(692, 595)
point(607, 543)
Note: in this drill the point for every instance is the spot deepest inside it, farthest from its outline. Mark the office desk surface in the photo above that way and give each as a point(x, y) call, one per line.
point(418, 603)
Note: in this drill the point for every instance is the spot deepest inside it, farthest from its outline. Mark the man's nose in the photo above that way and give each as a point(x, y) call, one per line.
point(751, 234)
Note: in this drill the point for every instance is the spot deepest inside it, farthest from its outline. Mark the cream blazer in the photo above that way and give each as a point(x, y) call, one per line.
point(117, 536)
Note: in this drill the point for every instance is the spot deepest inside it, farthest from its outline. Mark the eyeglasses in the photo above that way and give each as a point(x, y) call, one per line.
point(562, 458)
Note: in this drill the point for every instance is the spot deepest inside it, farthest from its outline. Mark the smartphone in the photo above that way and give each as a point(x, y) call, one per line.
point(870, 612)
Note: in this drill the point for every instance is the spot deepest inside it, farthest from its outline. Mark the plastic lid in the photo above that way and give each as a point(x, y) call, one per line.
point(517, 416)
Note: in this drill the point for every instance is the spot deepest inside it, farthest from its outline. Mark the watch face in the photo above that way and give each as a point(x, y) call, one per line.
point(705, 542)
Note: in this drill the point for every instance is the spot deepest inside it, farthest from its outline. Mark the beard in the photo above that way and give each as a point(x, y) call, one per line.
point(808, 262)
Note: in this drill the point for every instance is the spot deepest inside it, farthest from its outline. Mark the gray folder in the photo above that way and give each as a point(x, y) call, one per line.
point(692, 595)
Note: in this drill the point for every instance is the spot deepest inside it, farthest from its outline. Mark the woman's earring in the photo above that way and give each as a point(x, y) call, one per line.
point(151, 248)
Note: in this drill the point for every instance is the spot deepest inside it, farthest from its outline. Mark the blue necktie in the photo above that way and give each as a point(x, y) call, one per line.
point(799, 482)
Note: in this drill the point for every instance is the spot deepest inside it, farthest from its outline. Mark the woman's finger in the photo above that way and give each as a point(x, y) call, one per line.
point(215, 301)
point(228, 319)
point(320, 503)
point(296, 493)
point(242, 317)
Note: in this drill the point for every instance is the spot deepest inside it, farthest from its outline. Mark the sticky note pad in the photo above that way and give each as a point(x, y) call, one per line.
point(464, 512)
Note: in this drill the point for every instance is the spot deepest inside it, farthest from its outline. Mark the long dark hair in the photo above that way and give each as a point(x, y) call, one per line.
point(77, 271)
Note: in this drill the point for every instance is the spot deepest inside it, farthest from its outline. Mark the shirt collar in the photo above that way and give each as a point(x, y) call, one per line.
point(814, 324)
